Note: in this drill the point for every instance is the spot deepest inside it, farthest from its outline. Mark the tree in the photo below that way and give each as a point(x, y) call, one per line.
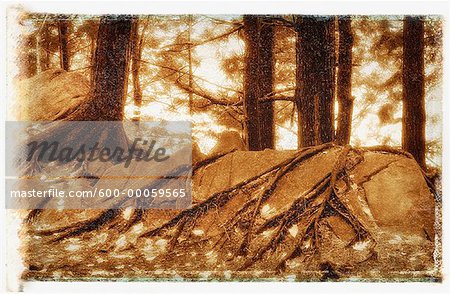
point(266, 73)
point(315, 78)
point(190, 21)
point(85, 35)
point(251, 91)
point(109, 72)
point(27, 57)
point(63, 33)
point(413, 122)
point(137, 41)
point(344, 81)
point(258, 82)
point(107, 96)
point(44, 46)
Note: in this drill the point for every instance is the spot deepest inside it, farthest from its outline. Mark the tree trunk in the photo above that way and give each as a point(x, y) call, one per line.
point(305, 107)
point(93, 45)
point(110, 71)
point(109, 76)
point(258, 82)
point(44, 48)
point(315, 76)
point(27, 57)
point(251, 89)
point(136, 52)
point(344, 81)
point(413, 122)
point(266, 71)
point(63, 32)
point(191, 78)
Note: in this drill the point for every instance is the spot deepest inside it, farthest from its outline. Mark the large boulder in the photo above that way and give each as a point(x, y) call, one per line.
point(317, 213)
point(392, 187)
point(50, 95)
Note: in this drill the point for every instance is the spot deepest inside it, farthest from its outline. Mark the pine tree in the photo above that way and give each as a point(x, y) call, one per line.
point(413, 122)
point(315, 78)
point(344, 81)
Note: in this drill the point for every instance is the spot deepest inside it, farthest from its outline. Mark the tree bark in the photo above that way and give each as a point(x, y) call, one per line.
point(27, 57)
point(305, 107)
point(344, 81)
point(109, 76)
point(315, 77)
point(136, 52)
point(266, 72)
point(258, 82)
point(44, 48)
point(93, 44)
point(251, 89)
point(413, 122)
point(63, 32)
point(109, 71)
point(191, 78)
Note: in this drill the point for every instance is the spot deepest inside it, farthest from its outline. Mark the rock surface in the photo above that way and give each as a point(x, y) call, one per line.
point(49, 95)
point(395, 191)
point(377, 223)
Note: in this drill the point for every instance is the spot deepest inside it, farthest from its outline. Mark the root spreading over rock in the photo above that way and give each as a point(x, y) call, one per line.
point(322, 212)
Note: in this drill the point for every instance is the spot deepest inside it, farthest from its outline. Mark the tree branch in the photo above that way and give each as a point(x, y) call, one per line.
point(207, 96)
point(187, 73)
point(273, 96)
point(195, 44)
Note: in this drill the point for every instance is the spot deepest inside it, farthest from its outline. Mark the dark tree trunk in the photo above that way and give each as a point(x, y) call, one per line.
point(258, 82)
point(93, 45)
point(109, 71)
point(344, 81)
point(315, 78)
point(413, 122)
point(27, 57)
point(63, 33)
point(251, 89)
point(191, 77)
point(266, 72)
point(109, 76)
point(44, 48)
point(136, 52)
point(305, 107)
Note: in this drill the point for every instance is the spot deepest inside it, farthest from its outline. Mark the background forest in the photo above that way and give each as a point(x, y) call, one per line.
point(261, 82)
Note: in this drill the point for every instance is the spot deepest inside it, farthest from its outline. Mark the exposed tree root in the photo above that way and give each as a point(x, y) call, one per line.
point(312, 207)
point(320, 201)
point(110, 217)
point(221, 198)
point(34, 213)
point(68, 134)
point(388, 149)
point(249, 237)
point(266, 194)
point(210, 160)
